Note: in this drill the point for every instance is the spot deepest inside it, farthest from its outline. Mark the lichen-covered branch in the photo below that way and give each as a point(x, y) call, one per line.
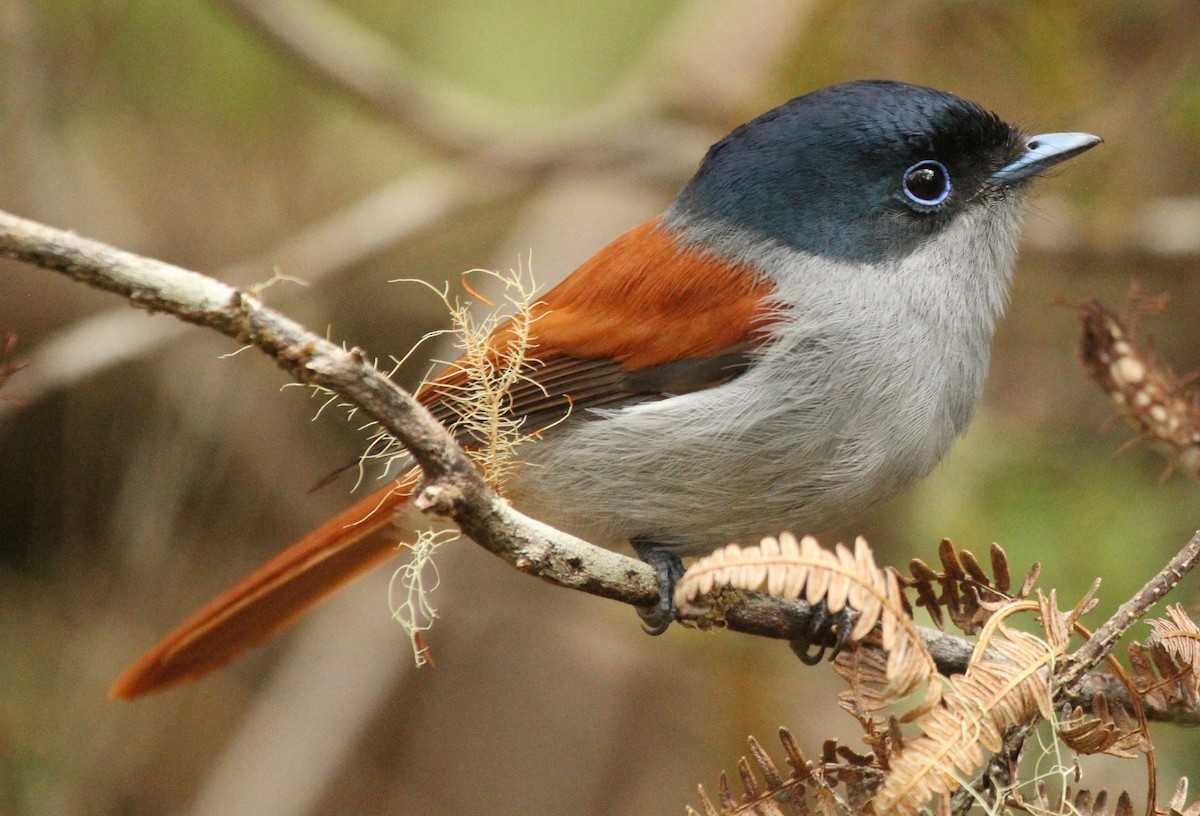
point(453, 487)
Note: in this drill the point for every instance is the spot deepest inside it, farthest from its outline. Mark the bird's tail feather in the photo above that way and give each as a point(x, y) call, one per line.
point(274, 596)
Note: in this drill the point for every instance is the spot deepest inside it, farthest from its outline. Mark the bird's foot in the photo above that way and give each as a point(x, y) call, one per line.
point(825, 629)
point(669, 569)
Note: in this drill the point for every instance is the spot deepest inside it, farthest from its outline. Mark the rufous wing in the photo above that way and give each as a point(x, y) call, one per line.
point(644, 318)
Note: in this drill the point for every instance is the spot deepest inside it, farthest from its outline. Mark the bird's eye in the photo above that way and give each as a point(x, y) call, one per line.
point(927, 183)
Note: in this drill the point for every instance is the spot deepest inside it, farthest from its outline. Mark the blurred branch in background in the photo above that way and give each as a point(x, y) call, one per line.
point(695, 52)
point(1163, 408)
point(443, 119)
point(388, 216)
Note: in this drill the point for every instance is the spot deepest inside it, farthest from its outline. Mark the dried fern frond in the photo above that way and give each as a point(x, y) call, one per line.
point(1077, 803)
point(957, 738)
point(1161, 682)
point(803, 569)
point(1056, 624)
point(807, 791)
point(1162, 408)
point(1164, 668)
point(1177, 638)
point(1101, 730)
point(968, 595)
point(865, 673)
point(1178, 805)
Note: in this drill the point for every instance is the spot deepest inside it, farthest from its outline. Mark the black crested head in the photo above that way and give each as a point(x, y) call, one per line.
point(863, 171)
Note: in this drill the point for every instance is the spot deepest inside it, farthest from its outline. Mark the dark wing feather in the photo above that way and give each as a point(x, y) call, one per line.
point(566, 386)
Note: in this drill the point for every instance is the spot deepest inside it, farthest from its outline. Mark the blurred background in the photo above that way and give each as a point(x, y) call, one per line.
point(350, 143)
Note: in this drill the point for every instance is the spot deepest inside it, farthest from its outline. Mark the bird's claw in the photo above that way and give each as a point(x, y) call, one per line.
point(822, 627)
point(656, 619)
point(669, 569)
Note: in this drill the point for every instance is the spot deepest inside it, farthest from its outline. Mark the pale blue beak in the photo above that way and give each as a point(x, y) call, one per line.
point(1043, 152)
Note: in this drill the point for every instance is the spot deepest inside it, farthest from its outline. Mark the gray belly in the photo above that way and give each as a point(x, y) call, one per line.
point(733, 463)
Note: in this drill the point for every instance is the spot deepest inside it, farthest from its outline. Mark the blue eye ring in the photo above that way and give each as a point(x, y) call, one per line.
point(926, 184)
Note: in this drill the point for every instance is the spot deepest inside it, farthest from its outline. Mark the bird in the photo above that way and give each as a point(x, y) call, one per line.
point(800, 335)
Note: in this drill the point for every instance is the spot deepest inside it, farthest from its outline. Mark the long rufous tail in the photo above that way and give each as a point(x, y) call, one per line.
point(272, 597)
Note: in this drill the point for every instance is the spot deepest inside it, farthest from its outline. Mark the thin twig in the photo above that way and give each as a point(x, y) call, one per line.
point(1073, 670)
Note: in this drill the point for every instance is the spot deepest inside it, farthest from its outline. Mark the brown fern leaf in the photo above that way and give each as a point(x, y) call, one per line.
point(1162, 408)
point(1101, 730)
point(1178, 805)
point(957, 738)
point(1176, 639)
point(707, 808)
point(1157, 678)
point(1161, 680)
point(865, 673)
point(793, 569)
point(967, 594)
point(859, 774)
point(807, 791)
point(1078, 803)
point(1056, 624)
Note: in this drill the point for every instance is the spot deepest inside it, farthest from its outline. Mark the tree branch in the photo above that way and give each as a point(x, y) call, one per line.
point(451, 487)
point(1101, 643)
point(349, 58)
point(333, 48)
